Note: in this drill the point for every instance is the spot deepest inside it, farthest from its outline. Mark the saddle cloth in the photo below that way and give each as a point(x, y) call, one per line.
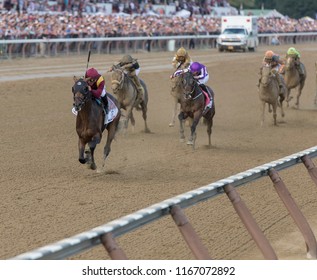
point(208, 100)
point(112, 111)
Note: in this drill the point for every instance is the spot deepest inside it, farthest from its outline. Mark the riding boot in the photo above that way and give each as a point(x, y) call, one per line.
point(105, 103)
point(139, 88)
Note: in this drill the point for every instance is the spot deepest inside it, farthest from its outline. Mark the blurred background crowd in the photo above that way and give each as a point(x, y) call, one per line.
point(22, 19)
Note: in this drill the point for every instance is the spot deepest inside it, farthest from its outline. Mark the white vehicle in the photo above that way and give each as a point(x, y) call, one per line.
point(238, 33)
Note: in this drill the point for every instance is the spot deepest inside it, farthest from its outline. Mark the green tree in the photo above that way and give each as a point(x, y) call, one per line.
point(291, 8)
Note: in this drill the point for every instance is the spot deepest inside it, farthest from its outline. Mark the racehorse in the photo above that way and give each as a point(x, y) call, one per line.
point(126, 93)
point(293, 79)
point(90, 122)
point(269, 93)
point(176, 92)
point(193, 105)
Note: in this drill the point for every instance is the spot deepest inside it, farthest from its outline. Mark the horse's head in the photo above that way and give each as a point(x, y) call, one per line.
point(290, 62)
point(81, 93)
point(189, 85)
point(267, 75)
point(117, 78)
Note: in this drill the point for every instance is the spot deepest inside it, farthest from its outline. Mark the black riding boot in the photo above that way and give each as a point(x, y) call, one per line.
point(105, 103)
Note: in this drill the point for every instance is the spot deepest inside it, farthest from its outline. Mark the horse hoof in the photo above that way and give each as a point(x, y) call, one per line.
point(171, 125)
point(93, 166)
point(82, 160)
point(190, 142)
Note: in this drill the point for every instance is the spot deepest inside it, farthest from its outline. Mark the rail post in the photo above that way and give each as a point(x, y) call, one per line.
point(311, 168)
point(114, 251)
point(189, 234)
point(296, 214)
point(249, 222)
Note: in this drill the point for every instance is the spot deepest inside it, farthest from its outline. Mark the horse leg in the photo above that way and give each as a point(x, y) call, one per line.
point(110, 137)
point(92, 146)
point(281, 99)
point(274, 113)
point(299, 92)
point(262, 113)
point(288, 97)
point(81, 150)
point(144, 116)
point(172, 123)
point(132, 121)
point(192, 138)
point(209, 120)
point(181, 118)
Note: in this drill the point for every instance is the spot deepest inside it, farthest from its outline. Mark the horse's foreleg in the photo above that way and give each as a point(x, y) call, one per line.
point(174, 113)
point(81, 150)
point(299, 92)
point(192, 138)
point(181, 118)
point(262, 112)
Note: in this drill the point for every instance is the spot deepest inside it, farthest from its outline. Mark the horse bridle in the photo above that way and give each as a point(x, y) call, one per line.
point(116, 82)
point(84, 91)
point(188, 95)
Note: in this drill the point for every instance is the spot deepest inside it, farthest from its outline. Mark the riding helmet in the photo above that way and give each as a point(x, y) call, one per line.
point(269, 54)
point(92, 73)
point(126, 59)
point(195, 67)
point(181, 52)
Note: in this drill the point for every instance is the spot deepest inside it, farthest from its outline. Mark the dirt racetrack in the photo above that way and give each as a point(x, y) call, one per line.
point(47, 195)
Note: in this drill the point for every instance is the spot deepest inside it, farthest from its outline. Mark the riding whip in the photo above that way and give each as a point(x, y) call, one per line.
point(88, 59)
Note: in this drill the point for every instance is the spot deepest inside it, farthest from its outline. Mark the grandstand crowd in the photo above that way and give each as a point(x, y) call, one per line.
point(83, 18)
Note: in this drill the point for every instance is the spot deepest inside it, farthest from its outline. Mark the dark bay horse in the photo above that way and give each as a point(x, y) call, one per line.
point(293, 80)
point(193, 105)
point(126, 93)
point(90, 122)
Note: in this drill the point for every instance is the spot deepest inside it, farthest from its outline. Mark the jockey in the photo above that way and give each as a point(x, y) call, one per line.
point(96, 85)
point(272, 60)
point(295, 53)
point(201, 75)
point(132, 68)
point(181, 60)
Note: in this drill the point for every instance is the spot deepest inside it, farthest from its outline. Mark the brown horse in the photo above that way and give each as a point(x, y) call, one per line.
point(126, 93)
point(269, 93)
point(193, 105)
point(90, 122)
point(293, 79)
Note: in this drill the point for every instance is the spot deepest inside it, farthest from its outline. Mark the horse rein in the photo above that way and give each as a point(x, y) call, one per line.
point(188, 95)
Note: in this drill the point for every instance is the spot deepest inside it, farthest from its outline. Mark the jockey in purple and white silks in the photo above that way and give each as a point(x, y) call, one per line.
point(201, 75)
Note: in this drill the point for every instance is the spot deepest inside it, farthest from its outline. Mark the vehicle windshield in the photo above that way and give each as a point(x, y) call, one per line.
point(234, 31)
